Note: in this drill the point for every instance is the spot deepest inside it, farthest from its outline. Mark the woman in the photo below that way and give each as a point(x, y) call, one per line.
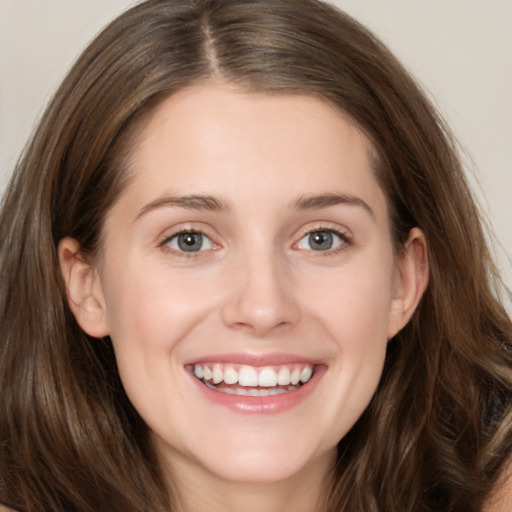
point(242, 268)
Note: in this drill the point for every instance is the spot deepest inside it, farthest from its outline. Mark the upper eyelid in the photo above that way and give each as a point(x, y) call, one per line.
point(185, 232)
point(184, 227)
point(323, 226)
point(342, 236)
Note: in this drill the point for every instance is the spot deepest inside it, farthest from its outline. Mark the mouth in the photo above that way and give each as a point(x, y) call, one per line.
point(245, 380)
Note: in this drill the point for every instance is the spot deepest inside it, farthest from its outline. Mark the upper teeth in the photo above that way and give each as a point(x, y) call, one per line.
point(267, 376)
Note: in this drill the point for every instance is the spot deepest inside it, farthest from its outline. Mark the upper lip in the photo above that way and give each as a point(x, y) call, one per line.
point(256, 360)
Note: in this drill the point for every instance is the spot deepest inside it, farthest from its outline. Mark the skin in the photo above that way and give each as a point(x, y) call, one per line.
point(258, 287)
point(501, 499)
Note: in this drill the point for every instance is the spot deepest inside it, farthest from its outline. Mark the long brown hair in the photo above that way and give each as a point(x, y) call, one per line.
point(438, 429)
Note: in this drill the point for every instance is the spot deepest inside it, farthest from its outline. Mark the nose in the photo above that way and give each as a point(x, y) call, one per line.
point(261, 298)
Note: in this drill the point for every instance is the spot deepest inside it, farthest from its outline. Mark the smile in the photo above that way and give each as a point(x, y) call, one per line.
point(245, 380)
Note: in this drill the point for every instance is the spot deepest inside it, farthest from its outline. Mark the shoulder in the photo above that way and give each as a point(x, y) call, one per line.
point(6, 509)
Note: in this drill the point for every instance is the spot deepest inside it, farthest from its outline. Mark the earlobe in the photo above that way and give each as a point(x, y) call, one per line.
point(412, 279)
point(84, 290)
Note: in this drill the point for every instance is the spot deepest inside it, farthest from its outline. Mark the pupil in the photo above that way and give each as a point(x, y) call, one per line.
point(320, 241)
point(190, 242)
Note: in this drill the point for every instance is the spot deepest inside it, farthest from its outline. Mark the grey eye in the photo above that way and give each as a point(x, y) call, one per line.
point(320, 241)
point(190, 242)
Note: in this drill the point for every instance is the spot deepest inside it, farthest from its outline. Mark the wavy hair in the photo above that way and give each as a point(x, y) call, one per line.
point(438, 429)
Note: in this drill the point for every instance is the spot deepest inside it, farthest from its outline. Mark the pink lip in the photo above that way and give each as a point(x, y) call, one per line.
point(258, 404)
point(256, 360)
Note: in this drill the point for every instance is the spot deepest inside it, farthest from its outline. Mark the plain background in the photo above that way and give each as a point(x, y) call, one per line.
point(459, 50)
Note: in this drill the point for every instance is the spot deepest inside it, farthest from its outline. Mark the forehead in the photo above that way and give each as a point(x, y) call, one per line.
point(217, 140)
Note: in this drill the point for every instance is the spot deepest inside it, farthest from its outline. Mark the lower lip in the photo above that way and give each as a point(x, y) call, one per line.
point(271, 404)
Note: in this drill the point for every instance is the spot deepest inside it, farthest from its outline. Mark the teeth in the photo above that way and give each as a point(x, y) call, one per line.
point(306, 374)
point(230, 375)
point(251, 391)
point(198, 371)
point(247, 376)
point(294, 378)
point(283, 377)
point(267, 378)
point(218, 374)
point(251, 377)
point(207, 373)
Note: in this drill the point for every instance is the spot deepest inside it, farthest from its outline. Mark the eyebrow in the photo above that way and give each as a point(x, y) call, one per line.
point(193, 202)
point(213, 204)
point(317, 202)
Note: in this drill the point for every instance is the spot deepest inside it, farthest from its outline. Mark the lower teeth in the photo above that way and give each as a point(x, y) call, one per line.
point(250, 391)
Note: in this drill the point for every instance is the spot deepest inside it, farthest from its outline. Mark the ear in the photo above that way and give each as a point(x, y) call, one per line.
point(84, 289)
point(411, 281)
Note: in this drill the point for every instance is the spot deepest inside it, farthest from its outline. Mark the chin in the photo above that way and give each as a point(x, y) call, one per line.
point(260, 463)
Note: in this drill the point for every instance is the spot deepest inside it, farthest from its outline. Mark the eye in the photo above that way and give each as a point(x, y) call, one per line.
point(321, 240)
point(189, 241)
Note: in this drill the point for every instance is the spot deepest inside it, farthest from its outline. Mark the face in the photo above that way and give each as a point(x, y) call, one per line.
point(248, 282)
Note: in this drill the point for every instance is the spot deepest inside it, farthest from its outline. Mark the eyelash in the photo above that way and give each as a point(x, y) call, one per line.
point(345, 241)
point(165, 244)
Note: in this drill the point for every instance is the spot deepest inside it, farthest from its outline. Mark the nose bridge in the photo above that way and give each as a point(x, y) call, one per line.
point(261, 295)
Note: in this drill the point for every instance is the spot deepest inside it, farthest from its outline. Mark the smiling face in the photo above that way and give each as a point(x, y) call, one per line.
point(248, 282)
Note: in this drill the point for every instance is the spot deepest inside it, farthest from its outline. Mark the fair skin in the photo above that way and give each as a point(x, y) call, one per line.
point(254, 239)
point(501, 499)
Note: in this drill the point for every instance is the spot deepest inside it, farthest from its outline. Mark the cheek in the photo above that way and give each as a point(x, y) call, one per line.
point(355, 309)
point(355, 303)
point(356, 322)
point(148, 308)
point(149, 313)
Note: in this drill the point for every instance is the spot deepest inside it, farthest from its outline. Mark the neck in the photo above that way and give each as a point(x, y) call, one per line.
point(198, 490)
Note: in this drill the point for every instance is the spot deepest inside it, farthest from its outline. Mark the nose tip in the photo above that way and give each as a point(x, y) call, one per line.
point(261, 301)
point(259, 322)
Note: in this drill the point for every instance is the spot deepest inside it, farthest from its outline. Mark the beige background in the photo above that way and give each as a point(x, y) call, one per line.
point(460, 50)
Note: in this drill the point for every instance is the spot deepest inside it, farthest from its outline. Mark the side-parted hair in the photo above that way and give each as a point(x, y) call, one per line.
point(439, 427)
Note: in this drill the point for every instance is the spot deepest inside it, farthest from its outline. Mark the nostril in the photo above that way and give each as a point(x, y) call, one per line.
point(254, 310)
point(261, 300)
